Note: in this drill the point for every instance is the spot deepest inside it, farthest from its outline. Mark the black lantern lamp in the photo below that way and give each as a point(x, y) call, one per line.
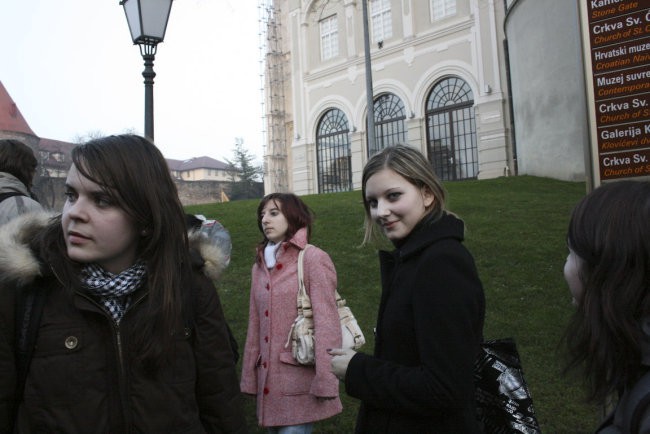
point(147, 22)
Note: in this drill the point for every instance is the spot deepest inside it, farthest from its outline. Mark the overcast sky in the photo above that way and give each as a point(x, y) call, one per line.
point(72, 69)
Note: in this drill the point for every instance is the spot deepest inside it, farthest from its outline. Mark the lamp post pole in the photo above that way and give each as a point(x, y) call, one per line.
point(370, 118)
point(148, 55)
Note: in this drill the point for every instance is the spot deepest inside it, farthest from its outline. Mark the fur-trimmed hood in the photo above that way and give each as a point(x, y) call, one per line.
point(20, 264)
point(211, 251)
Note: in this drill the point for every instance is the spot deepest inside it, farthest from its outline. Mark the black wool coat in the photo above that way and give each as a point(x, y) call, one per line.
point(429, 329)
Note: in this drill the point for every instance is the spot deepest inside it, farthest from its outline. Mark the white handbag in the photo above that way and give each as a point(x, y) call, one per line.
point(301, 335)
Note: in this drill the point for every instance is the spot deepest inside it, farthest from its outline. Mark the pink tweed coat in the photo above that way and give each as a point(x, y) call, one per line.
point(288, 393)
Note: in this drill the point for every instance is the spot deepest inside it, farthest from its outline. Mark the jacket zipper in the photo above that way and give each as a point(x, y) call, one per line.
point(122, 370)
point(122, 380)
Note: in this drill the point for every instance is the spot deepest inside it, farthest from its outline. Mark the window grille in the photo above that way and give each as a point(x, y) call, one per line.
point(451, 130)
point(333, 153)
point(390, 126)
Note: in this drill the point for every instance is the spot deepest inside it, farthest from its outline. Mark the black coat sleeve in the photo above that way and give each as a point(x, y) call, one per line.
point(217, 386)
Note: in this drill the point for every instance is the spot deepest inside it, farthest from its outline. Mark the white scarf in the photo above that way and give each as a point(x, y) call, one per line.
point(270, 251)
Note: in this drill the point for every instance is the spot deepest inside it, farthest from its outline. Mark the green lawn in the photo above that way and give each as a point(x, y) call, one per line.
point(515, 228)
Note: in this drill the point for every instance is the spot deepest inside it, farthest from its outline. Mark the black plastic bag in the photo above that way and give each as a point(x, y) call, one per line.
point(504, 404)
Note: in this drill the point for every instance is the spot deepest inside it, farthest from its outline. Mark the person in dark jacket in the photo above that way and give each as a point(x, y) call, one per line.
point(430, 322)
point(17, 169)
point(132, 336)
point(608, 274)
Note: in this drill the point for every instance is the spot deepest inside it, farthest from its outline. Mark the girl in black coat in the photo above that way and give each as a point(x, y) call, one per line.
point(430, 321)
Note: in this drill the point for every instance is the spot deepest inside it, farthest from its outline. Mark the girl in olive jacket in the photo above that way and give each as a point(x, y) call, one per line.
point(430, 321)
point(131, 337)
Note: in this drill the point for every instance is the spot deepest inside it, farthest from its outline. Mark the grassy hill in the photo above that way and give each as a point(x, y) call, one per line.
point(515, 228)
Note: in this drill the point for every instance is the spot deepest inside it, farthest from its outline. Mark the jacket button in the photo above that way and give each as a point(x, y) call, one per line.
point(266, 338)
point(278, 267)
point(71, 342)
point(268, 286)
point(266, 390)
point(266, 313)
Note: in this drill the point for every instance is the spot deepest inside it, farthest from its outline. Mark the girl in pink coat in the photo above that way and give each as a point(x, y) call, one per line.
point(290, 396)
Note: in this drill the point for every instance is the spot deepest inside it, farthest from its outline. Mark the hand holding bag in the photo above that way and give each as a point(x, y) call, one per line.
point(301, 335)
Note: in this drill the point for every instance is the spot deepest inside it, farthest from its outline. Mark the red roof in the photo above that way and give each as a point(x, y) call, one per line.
point(10, 117)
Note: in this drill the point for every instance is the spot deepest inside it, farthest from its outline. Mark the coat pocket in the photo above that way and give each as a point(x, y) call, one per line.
point(295, 378)
point(287, 357)
point(58, 363)
point(181, 365)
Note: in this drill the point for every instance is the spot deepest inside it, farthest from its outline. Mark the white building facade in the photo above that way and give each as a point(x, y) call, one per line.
point(439, 85)
point(548, 88)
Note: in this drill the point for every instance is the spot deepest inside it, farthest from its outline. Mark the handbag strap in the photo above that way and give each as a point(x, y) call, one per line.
point(303, 300)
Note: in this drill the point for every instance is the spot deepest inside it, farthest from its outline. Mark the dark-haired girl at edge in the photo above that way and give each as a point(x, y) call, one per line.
point(608, 273)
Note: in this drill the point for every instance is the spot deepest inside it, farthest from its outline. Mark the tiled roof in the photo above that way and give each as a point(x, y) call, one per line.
point(196, 163)
point(10, 117)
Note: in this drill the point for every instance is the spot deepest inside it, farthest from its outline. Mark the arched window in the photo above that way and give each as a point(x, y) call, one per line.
point(390, 127)
point(333, 153)
point(451, 130)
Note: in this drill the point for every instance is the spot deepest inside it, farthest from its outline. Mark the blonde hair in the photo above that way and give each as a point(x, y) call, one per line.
point(410, 164)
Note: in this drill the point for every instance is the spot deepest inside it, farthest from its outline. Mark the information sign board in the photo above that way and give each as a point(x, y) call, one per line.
point(616, 45)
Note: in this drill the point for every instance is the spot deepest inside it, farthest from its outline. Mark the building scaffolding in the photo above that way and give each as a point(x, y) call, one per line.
point(273, 80)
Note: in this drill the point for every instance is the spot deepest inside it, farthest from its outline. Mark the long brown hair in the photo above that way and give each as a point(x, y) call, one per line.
point(610, 231)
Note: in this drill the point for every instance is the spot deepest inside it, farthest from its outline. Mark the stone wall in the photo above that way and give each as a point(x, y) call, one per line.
point(196, 192)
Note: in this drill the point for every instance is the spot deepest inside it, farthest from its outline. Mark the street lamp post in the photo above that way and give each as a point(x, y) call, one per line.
point(147, 21)
point(370, 119)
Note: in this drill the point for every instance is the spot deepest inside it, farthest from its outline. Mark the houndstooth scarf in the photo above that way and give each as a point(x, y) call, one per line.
point(113, 289)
